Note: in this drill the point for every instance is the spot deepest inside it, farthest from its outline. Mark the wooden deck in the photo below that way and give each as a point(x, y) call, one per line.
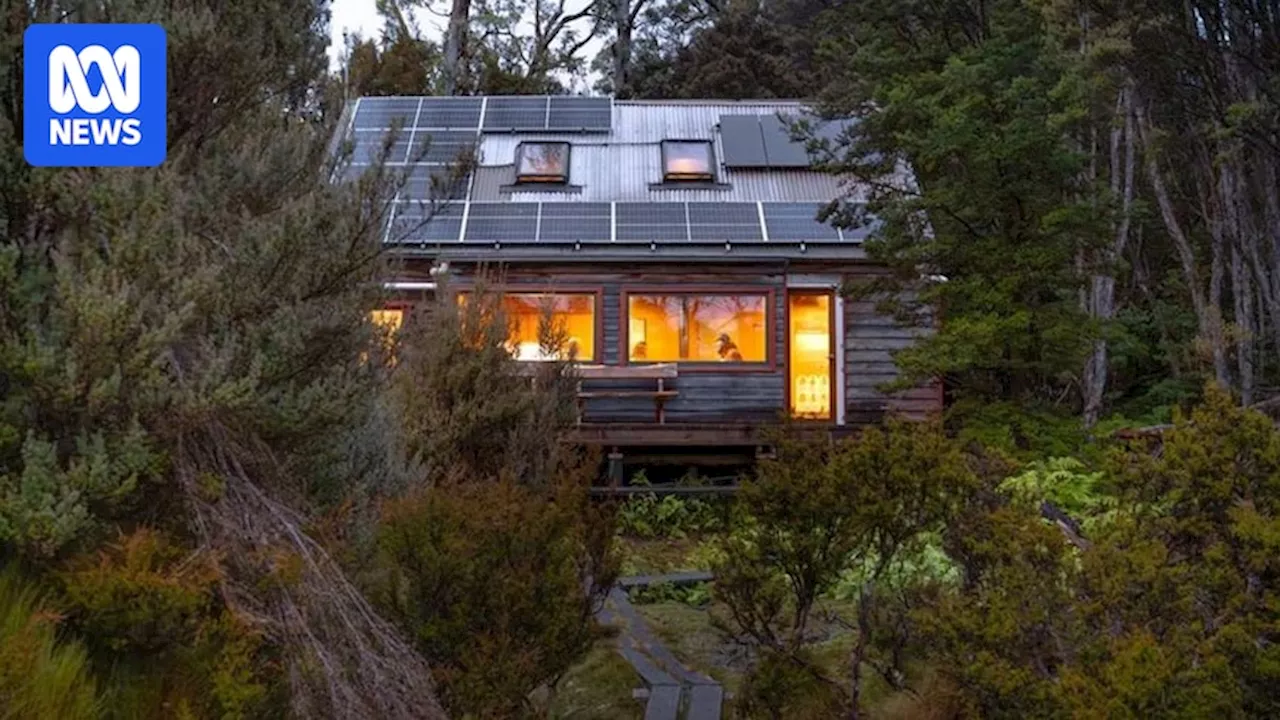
point(710, 434)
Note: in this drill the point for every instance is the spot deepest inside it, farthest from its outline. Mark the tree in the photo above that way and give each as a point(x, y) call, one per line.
point(970, 105)
point(1166, 612)
point(181, 349)
point(870, 504)
point(495, 560)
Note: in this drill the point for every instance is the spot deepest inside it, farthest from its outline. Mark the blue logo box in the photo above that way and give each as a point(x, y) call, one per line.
point(94, 95)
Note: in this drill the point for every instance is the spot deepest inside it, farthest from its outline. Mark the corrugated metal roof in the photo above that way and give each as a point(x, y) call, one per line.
point(625, 165)
point(624, 171)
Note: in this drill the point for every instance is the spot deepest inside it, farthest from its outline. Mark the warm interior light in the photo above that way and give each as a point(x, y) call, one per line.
point(810, 356)
point(813, 341)
point(571, 315)
point(387, 319)
point(697, 328)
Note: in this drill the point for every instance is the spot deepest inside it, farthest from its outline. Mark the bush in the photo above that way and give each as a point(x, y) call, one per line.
point(152, 615)
point(498, 584)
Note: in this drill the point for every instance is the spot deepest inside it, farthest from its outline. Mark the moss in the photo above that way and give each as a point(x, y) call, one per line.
point(599, 688)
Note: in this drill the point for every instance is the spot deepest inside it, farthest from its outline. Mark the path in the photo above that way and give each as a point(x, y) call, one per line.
point(668, 679)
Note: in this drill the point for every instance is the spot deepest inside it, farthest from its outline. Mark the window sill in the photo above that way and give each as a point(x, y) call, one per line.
point(709, 366)
point(541, 187)
point(690, 185)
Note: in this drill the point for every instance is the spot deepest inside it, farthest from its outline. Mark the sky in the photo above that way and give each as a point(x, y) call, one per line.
point(361, 17)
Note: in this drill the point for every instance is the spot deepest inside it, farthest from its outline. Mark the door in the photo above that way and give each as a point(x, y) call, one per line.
point(811, 360)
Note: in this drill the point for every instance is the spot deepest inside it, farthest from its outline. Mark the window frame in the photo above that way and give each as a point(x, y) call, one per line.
point(595, 292)
point(684, 178)
point(543, 179)
point(767, 366)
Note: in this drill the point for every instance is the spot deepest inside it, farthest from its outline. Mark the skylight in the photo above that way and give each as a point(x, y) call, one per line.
point(542, 162)
point(686, 160)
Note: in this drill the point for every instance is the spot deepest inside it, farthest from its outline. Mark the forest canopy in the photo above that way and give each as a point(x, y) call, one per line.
point(224, 492)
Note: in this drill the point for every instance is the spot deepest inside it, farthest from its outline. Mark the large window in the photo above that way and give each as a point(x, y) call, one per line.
point(572, 322)
point(697, 328)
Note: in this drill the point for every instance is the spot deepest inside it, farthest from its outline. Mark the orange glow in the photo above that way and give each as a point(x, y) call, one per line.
point(810, 367)
point(697, 328)
point(390, 320)
point(686, 160)
point(572, 316)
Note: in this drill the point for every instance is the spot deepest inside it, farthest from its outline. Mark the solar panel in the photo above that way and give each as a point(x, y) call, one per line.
point(419, 222)
point(796, 221)
point(368, 146)
point(724, 222)
point(782, 151)
point(502, 222)
point(380, 113)
point(742, 141)
point(515, 113)
point(441, 146)
point(427, 182)
point(449, 112)
point(580, 113)
point(575, 222)
point(651, 222)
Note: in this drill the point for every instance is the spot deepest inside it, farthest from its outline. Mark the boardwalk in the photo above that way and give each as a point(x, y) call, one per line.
point(671, 684)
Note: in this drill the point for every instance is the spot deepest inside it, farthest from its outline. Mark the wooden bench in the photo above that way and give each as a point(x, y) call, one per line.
point(659, 373)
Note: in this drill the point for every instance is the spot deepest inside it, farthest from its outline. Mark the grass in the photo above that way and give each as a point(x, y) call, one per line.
point(664, 555)
point(599, 688)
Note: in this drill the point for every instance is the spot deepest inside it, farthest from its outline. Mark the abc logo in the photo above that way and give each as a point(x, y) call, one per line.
point(95, 95)
point(69, 89)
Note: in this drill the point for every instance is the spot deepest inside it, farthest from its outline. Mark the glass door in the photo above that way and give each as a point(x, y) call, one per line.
point(811, 362)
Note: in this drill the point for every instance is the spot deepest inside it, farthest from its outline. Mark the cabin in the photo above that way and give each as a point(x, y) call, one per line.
point(677, 241)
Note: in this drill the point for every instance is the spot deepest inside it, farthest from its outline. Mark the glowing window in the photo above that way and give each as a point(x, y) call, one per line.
point(697, 328)
point(390, 319)
point(810, 366)
point(686, 160)
point(573, 322)
point(542, 162)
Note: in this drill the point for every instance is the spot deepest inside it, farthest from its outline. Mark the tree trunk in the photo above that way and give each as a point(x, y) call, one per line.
point(1207, 310)
point(455, 44)
point(1103, 286)
point(621, 47)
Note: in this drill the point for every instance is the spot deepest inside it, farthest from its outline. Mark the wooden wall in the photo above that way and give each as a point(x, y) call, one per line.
point(869, 342)
point(707, 395)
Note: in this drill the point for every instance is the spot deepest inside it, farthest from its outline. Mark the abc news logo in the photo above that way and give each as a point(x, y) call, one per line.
point(94, 95)
point(69, 89)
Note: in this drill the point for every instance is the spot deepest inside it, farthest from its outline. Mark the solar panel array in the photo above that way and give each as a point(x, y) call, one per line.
point(548, 113)
point(598, 222)
point(764, 141)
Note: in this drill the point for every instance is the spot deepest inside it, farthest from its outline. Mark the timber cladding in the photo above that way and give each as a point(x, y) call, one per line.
point(751, 393)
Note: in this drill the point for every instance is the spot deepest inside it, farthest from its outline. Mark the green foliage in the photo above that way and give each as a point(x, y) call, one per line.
point(1169, 612)
point(1066, 483)
point(40, 677)
point(153, 618)
point(694, 595)
point(489, 579)
point(871, 503)
point(670, 516)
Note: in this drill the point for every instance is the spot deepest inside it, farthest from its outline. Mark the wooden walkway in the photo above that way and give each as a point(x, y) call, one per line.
point(669, 682)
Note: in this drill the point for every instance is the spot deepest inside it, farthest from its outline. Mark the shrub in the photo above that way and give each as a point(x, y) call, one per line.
point(498, 584)
point(152, 615)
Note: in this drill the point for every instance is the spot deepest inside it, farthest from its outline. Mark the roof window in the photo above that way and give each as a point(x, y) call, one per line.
point(542, 162)
point(684, 160)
